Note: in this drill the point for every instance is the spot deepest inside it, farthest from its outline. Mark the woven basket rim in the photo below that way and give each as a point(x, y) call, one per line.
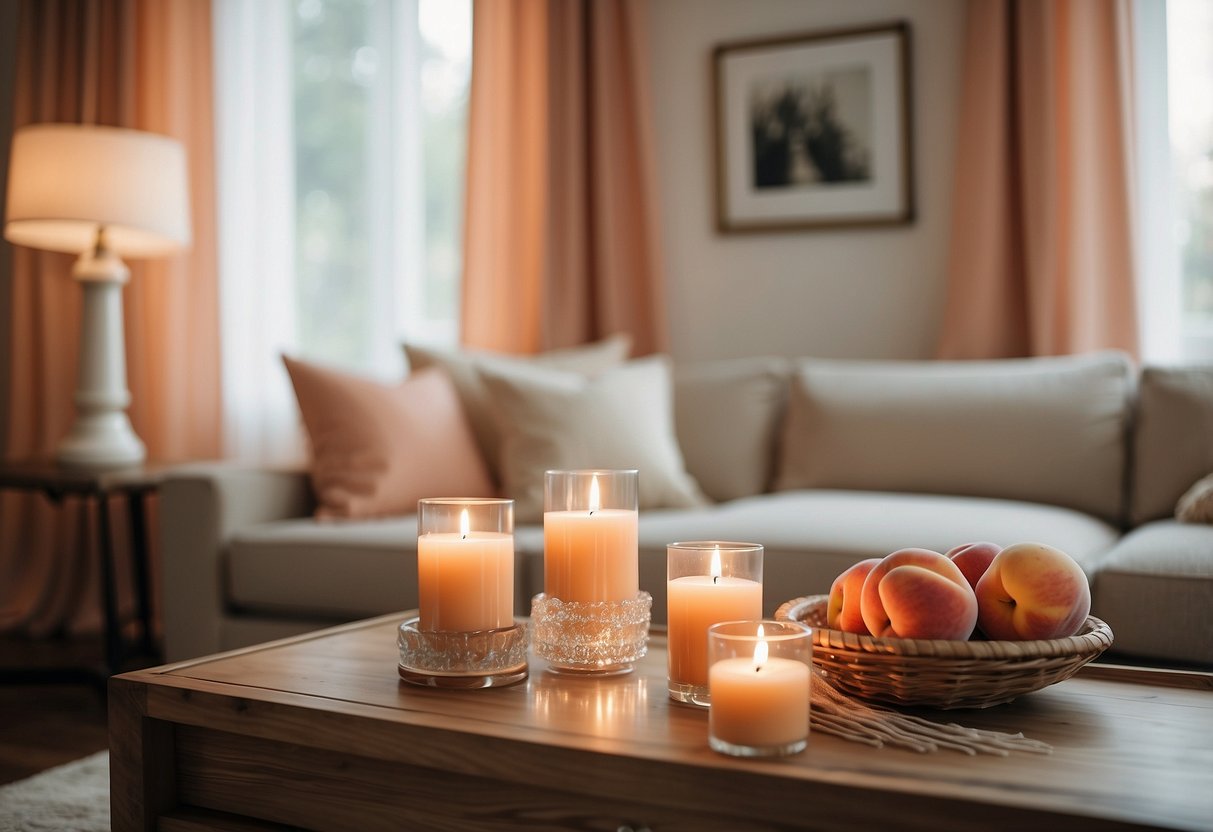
point(1093, 637)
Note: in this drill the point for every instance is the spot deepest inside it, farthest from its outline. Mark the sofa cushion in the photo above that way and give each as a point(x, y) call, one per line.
point(1155, 590)
point(1046, 430)
point(621, 418)
point(379, 448)
point(1173, 438)
point(727, 416)
point(811, 536)
point(463, 368)
point(341, 571)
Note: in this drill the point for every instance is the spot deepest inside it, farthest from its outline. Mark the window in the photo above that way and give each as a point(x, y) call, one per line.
point(340, 149)
point(1190, 130)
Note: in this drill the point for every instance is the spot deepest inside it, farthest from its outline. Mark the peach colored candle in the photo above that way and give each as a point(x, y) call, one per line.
point(465, 580)
point(760, 702)
point(591, 555)
point(696, 602)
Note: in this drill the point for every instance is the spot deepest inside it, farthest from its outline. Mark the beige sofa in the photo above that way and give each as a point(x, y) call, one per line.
point(822, 462)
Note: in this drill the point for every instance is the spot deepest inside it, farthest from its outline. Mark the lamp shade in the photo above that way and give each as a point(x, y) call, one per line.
point(67, 180)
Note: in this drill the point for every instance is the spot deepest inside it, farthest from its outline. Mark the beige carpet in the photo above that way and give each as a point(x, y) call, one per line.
point(71, 798)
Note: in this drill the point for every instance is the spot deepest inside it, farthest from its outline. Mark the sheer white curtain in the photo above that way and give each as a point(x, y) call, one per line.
point(254, 161)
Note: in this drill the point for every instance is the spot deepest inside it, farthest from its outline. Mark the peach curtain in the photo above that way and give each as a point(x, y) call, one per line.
point(1041, 259)
point(561, 239)
point(144, 64)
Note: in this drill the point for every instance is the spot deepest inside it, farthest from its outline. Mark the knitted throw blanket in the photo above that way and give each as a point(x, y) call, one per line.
point(841, 715)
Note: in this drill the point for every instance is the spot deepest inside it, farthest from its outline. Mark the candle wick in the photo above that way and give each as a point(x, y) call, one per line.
point(465, 537)
point(715, 579)
point(591, 512)
point(758, 668)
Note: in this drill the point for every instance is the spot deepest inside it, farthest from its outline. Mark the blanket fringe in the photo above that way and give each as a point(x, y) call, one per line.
point(841, 715)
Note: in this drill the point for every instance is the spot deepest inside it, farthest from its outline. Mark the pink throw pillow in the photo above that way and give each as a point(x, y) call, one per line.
point(377, 449)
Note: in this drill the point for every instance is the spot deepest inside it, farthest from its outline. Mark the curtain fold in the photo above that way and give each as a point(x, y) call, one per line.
point(143, 64)
point(1041, 259)
point(561, 242)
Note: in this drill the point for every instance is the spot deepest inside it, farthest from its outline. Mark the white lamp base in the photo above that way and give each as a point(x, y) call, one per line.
point(102, 435)
point(101, 440)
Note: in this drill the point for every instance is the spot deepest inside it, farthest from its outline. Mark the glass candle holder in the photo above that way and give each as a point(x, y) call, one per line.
point(760, 676)
point(464, 634)
point(465, 565)
point(591, 616)
point(708, 581)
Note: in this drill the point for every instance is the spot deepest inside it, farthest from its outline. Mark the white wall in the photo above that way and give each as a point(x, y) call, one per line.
point(855, 293)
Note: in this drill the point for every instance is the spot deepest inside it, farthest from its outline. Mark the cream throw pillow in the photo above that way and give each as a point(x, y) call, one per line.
point(1044, 430)
point(621, 418)
point(463, 367)
point(1196, 505)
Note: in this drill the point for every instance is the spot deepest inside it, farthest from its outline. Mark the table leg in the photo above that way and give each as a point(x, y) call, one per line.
point(109, 595)
point(140, 553)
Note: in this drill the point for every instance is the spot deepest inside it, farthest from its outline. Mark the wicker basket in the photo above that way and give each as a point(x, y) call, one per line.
point(942, 674)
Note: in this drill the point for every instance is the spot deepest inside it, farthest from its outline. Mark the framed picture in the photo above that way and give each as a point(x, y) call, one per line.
point(813, 130)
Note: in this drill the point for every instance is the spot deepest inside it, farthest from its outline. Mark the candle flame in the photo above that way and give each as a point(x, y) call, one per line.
point(760, 651)
point(463, 523)
point(715, 569)
point(595, 499)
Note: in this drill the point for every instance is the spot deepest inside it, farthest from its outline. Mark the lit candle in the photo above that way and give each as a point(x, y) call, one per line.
point(591, 554)
point(759, 702)
point(465, 579)
point(696, 602)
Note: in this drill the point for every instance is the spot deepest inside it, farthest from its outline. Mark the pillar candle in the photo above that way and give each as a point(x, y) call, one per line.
point(465, 580)
point(696, 602)
point(591, 555)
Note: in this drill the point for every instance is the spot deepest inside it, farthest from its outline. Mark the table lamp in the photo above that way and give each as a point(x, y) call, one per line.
point(103, 193)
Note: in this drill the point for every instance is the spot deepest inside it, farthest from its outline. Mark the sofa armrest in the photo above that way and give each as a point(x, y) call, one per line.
point(201, 508)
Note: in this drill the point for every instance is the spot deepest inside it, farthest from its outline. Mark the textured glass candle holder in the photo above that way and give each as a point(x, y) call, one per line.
point(707, 581)
point(464, 635)
point(760, 677)
point(591, 616)
point(481, 659)
point(595, 637)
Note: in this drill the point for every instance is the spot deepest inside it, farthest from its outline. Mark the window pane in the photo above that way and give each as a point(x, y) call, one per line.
point(1190, 79)
point(380, 101)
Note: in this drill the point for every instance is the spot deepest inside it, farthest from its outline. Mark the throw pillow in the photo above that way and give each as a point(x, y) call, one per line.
point(463, 367)
point(727, 415)
point(379, 448)
point(1044, 430)
point(1196, 505)
point(621, 418)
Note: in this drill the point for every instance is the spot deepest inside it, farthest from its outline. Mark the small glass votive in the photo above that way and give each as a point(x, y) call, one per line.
point(592, 616)
point(760, 677)
point(464, 635)
point(708, 581)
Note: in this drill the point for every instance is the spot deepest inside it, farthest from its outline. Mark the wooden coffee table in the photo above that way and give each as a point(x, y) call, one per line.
point(319, 732)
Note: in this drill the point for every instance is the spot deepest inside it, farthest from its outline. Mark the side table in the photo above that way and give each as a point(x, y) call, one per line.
point(136, 484)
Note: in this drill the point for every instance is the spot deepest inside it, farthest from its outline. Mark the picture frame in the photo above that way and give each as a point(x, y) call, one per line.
point(813, 130)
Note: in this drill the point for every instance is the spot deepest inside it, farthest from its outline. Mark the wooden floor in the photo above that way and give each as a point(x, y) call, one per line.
point(46, 725)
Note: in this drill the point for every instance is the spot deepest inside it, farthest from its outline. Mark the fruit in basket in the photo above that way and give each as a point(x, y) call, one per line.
point(918, 593)
point(973, 559)
point(846, 593)
point(1032, 591)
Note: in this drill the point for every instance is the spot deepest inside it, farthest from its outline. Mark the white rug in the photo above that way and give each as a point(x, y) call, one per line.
point(70, 798)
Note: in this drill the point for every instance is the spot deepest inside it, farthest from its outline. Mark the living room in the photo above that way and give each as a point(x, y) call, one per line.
point(496, 237)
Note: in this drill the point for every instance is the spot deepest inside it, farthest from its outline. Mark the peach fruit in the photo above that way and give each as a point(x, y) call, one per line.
point(842, 611)
point(1032, 591)
point(973, 559)
point(918, 593)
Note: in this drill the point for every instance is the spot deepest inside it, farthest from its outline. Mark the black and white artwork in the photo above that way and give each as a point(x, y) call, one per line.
point(814, 130)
